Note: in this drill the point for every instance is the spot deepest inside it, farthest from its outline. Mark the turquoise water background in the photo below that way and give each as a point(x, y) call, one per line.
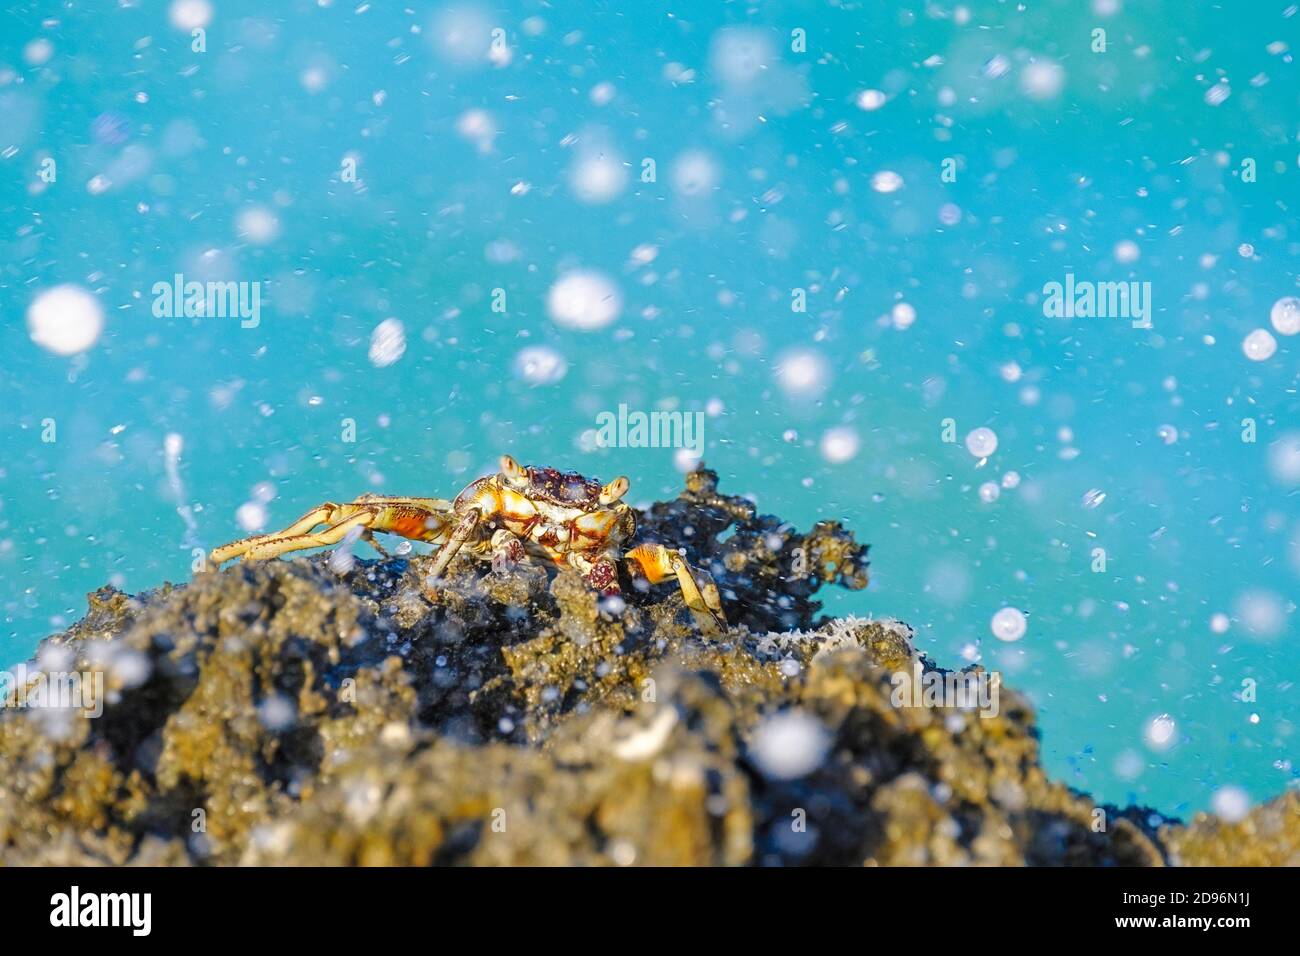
point(507, 164)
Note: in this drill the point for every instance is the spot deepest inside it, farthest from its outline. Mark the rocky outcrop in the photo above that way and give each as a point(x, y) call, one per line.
point(323, 712)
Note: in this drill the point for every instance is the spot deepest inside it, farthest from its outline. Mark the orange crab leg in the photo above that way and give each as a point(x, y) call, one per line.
point(660, 563)
point(420, 519)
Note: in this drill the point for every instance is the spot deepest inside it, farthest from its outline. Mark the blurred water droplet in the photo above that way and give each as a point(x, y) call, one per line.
point(982, 442)
point(1259, 345)
point(1093, 498)
point(1160, 731)
point(1009, 624)
point(387, 343)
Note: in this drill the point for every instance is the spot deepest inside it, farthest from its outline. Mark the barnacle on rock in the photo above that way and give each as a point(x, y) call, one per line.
point(288, 712)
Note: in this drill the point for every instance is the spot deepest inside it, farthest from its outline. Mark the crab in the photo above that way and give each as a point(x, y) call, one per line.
point(506, 518)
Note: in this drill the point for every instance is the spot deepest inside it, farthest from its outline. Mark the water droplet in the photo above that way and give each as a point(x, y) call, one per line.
point(257, 225)
point(1160, 731)
point(540, 365)
point(584, 300)
point(839, 445)
point(1008, 624)
point(802, 373)
point(695, 174)
point(190, 15)
point(789, 745)
point(1259, 345)
point(1127, 251)
point(997, 66)
point(251, 516)
point(1217, 94)
point(886, 181)
point(1285, 315)
point(387, 343)
point(982, 442)
point(903, 315)
point(597, 177)
point(65, 320)
point(1231, 804)
point(870, 100)
point(1284, 459)
point(1042, 79)
point(1261, 613)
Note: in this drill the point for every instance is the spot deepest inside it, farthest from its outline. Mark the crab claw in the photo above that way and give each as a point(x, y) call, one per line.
point(507, 552)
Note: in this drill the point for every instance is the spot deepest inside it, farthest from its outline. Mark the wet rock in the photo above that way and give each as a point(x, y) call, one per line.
point(294, 712)
point(1268, 836)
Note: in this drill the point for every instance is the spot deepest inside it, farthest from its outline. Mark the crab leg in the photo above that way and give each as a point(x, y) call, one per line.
point(598, 571)
point(304, 524)
point(405, 504)
point(464, 529)
point(660, 563)
point(709, 591)
point(507, 551)
point(369, 537)
point(427, 504)
point(420, 519)
point(331, 535)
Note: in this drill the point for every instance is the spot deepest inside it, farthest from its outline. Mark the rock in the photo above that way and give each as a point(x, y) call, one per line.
point(1268, 836)
point(287, 713)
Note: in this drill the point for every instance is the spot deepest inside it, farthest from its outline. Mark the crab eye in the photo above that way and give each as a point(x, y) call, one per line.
point(515, 474)
point(613, 491)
